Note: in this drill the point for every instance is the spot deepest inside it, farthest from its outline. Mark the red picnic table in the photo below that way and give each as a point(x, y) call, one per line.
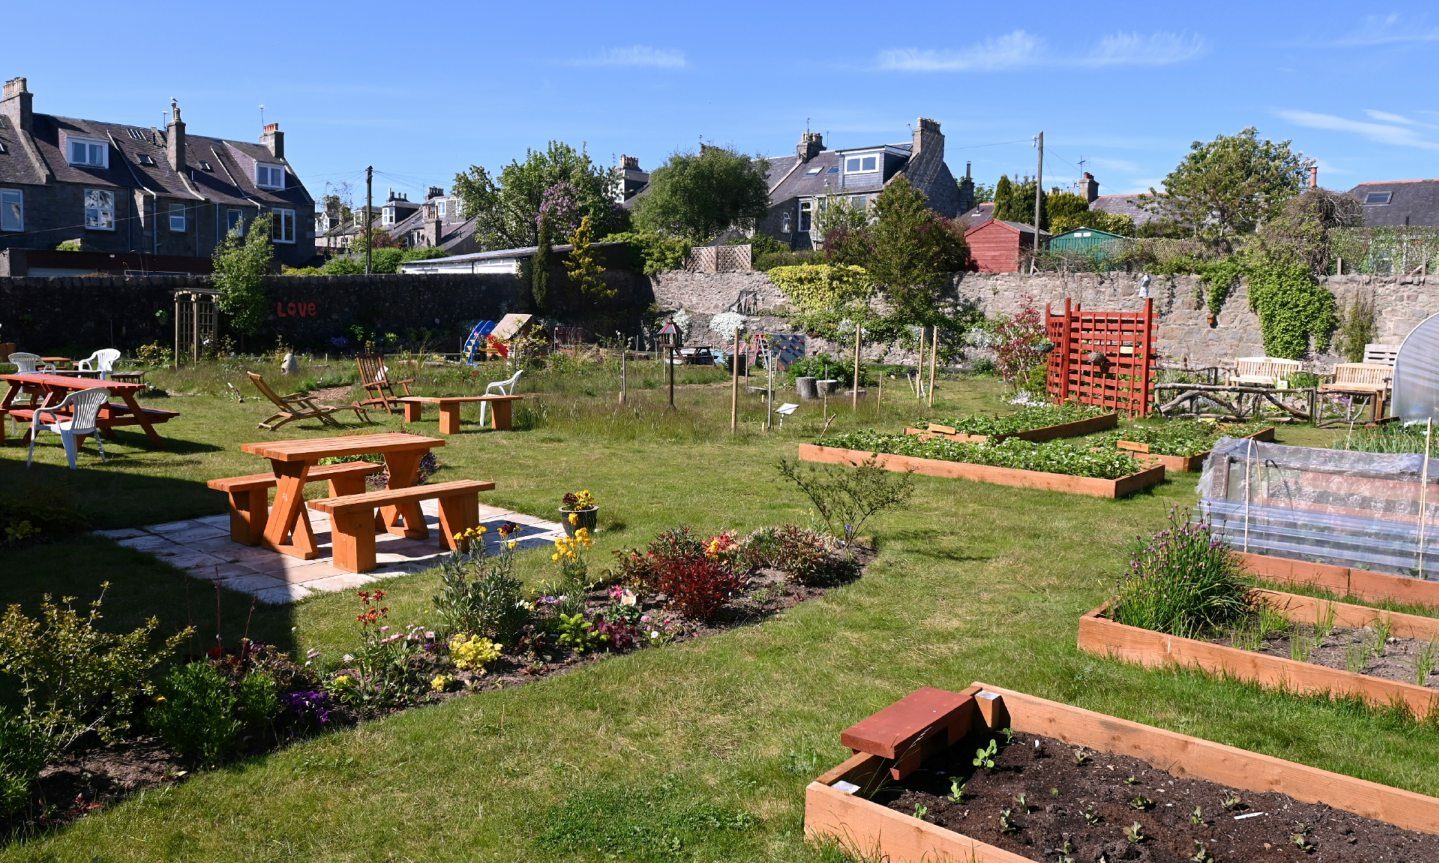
point(48, 389)
point(287, 530)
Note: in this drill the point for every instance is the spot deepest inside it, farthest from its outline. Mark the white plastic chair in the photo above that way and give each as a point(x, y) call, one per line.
point(102, 361)
point(84, 409)
point(499, 388)
point(30, 363)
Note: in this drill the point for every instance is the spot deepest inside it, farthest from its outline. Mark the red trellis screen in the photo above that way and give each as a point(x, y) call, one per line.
point(1101, 358)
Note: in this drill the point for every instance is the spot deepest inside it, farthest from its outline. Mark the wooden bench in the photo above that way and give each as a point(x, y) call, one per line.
point(1265, 371)
point(352, 517)
point(501, 415)
point(1369, 380)
point(250, 495)
point(1376, 354)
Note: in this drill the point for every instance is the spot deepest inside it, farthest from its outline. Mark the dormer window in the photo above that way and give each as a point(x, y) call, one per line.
point(387, 216)
point(440, 207)
point(88, 152)
point(862, 164)
point(268, 176)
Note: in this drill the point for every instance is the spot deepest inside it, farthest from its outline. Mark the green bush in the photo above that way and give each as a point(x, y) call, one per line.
point(653, 253)
point(845, 498)
point(1182, 581)
point(807, 556)
point(766, 261)
point(257, 704)
point(197, 716)
point(23, 750)
point(824, 366)
point(481, 595)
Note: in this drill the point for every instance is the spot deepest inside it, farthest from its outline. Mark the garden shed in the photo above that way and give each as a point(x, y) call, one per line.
point(997, 246)
point(1089, 242)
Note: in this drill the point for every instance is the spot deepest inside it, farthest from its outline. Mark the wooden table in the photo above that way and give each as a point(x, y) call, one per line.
point(47, 389)
point(501, 415)
point(288, 531)
point(57, 362)
point(132, 377)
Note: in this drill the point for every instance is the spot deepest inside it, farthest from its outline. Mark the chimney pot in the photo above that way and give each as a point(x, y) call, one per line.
point(274, 140)
point(1089, 187)
point(811, 144)
point(1313, 176)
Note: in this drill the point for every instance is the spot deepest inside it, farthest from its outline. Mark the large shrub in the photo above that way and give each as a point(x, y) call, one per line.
point(23, 749)
point(197, 717)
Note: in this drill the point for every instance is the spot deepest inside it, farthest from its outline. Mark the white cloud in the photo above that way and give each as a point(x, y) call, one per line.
point(1391, 29)
point(644, 56)
point(1380, 133)
point(1021, 49)
point(1009, 51)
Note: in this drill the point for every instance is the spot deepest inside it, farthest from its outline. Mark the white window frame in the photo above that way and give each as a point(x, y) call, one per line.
point(265, 173)
point(98, 223)
point(387, 217)
point(104, 151)
point(234, 220)
point(859, 159)
point(179, 211)
point(12, 198)
point(283, 219)
point(806, 216)
point(785, 225)
point(440, 207)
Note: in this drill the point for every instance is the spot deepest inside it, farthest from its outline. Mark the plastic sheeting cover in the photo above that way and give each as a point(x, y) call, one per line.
point(1416, 373)
point(1373, 511)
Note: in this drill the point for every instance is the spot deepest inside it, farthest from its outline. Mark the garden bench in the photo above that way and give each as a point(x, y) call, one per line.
point(1364, 380)
point(501, 414)
point(44, 388)
point(1380, 355)
point(1265, 371)
point(250, 495)
point(925, 720)
point(352, 517)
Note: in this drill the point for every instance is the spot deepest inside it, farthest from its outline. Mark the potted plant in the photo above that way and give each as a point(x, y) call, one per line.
point(579, 510)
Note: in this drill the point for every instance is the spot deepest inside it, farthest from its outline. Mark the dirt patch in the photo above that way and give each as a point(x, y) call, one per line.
point(1365, 650)
point(332, 395)
point(1082, 806)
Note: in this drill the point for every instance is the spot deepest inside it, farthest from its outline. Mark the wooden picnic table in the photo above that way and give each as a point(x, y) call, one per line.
point(57, 361)
point(46, 389)
point(130, 377)
point(288, 531)
point(501, 415)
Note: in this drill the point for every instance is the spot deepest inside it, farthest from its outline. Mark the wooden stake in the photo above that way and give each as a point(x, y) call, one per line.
point(624, 372)
point(933, 360)
point(854, 396)
point(734, 385)
point(919, 368)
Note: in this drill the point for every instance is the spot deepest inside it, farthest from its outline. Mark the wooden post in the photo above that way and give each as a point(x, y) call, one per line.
point(672, 378)
point(177, 331)
point(854, 396)
point(879, 393)
point(919, 368)
point(933, 360)
point(734, 385)
point(769, 387)
point(624, 370)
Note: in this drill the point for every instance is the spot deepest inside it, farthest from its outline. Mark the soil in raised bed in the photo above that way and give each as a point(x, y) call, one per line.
point(1349, 649)
point(1083, 801)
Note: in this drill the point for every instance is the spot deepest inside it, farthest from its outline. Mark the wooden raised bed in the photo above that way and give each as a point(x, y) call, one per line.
point(1077, 428)
point(837, 808)
point(1342, 580)
point(1090, 486)
point(1184, 463)
point(1100, 635)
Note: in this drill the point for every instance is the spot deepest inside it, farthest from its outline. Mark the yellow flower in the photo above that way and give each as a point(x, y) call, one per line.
point(574, 518)
point(511, 544)
point(459, 537)
point(440, 683)
point(341, 680)
point(482, 530)
point(555, 557)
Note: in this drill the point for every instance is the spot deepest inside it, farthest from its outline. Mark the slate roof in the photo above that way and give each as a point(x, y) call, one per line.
point(977, 216)
point(19, 164)
point(1123, 205)
point(1411, 202)
point(453, 232)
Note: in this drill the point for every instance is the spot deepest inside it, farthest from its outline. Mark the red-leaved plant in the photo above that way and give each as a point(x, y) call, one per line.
point(697, 587)
point(1019, 341)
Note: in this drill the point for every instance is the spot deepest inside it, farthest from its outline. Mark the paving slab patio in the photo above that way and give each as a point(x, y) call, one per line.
point(201, 548)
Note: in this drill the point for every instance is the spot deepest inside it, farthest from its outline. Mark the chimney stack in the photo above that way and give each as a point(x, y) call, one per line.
point(811, 144)
point(1088, 187)
point(175, 139)
point(928, 139)
point(434, 192)
point(630, 162)
point(274, 140)
point(966, 190)
point(1313, 176)
point(17, 104)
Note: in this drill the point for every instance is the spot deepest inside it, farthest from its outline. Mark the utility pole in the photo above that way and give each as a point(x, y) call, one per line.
point(369, 215)
point(1038, 193)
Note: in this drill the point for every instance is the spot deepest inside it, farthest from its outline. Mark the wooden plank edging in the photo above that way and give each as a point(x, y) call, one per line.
point(1185, 463)
point(1073, 428)
point(1342, 580)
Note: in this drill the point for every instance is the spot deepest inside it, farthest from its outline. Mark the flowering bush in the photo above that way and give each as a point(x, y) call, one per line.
point(473, 653)
point(619, 622)
point(697, 576)
point(1182, 581)
point(388, 669)
point(577, 500)
point(481, 594)
point(307, 708)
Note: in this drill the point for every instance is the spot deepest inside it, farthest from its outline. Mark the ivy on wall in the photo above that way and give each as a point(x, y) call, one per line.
point(1219, 278)
point(1295, 311)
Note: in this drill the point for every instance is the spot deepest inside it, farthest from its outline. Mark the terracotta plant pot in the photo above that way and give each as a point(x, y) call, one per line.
point(588, 518)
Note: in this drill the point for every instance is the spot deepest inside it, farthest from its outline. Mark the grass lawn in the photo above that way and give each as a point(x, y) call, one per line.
point(696, 751)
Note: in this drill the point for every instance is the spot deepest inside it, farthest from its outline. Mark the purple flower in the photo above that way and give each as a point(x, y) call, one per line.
point(308, 705)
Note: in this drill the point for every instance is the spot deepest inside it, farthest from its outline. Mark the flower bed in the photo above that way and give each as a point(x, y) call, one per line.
point(132, 731)
point(1053, 466)
point(1035, 423)
point(1005, 777)
point(1342, 580)
point(1183, 445)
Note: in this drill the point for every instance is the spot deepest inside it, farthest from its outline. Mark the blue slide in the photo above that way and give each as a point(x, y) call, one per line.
point(475, 344)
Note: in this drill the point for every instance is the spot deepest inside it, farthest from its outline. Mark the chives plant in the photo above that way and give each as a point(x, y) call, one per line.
point(1182, 581)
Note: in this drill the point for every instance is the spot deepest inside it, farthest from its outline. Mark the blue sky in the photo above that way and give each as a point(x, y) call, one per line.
point(422, 91)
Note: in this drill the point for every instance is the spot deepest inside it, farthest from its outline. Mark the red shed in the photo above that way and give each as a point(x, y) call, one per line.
point(997, 246)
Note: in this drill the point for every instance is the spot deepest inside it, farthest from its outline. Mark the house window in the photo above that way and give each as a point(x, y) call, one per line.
point(861, 164)
point(234, 221)
point(282, 228)
point(860, 203)
point(440, 207)
point(269, 176)
point(88, 152)
point(177, 217)
point(387, 216)
point(1377, 198)
point(12, 210)
point(806, 213)
point(99, 210)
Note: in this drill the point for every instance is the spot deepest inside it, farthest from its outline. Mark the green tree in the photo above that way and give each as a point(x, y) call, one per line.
point(915, 252)
point(1018, 204)
point(984, 193)
point(241, 264)
point(506, 208)
point(826, 295)
point(583, 266)
point(696, 196)
point(1003, 194)
point(838, 213)
point(1229, 186)
point(540, 268)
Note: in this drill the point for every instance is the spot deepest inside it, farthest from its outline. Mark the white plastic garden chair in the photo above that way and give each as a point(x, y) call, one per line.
point(102, 361)
point(499, 388)
point(84, 408)
point(30, 363)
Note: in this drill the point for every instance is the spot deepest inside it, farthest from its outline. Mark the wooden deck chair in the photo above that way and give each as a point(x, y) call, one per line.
point(299, 406)
point(375, 378)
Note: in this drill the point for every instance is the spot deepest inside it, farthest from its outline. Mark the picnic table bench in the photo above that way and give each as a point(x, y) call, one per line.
point(352, 517)
point(501, 414)
point(45, 389)
point(250, 495)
